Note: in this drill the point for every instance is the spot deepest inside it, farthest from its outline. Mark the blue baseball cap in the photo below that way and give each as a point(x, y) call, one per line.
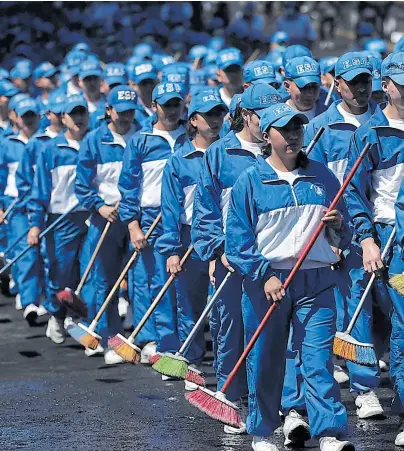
point(327, 64)
point(258, 97)
point(90, 68)
point(45, 70)
point(210, 57)
point(4, 73)
point(303, 70)
point(166, 91)
point(143, 50)
point(15, 99)
point(376, 45)
point(82, 46)
point(197, 77)
point(352, 64)
point(216, 43)
point(293, 51)
point(211, 72)
point(23, 69)
point(279, 36)
point(7, 89)
point(259, 71)
point(56, 102)
point(230, 56)
point(376, 74)
point(279, 115)
point(393, 67)
point(143, 71)
point(197, 51)
point(122, 98)
point(175, 73)
point(234, 103)
point(205, 100)
point(26, 104)
point(73, 102)
point(74, 60)
point(159, 60)
point(115, 73)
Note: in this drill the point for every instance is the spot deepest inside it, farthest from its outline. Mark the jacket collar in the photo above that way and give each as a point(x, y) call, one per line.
point(268, 175)
point(19, 138)
point(336, 117)
point(61, 141)
point(189, 149)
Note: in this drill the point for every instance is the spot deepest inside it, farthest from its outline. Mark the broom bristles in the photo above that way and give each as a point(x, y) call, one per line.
point(155, 358)
point(195, 376)
point(128, 351)
point(397, 283)
point(172, 365)
point(70, 299)
point(215, 405)
point(83, 335)
point(346, 347)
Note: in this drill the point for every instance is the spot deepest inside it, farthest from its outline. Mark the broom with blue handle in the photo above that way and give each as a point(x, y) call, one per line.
point(346, 346)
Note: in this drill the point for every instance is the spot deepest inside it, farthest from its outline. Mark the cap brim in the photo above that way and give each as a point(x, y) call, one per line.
point(167, 97)
point(26, 110)
point(301, 82)
point(115, 80)
point(70, 108)
point(55, 109)
point(348, 76)
point(124, 107)
point(93, 73)
point(50, 72)
point(228, 64)
point(398, 78)
point(209, 107)
point(282, 121)
point(264, 81)
point(146, 76)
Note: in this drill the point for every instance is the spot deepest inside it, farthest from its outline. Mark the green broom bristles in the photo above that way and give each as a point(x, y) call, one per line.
point(397, 283)
point(172, 365)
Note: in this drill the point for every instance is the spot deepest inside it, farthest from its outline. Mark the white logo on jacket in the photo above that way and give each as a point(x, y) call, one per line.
point(319, 190)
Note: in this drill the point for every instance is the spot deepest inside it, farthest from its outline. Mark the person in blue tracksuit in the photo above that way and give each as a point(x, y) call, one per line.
point(275, 206)
point(229, 73)
point(180, 177)
point(230, 116)
point(222, 164)
point(25, 271)
point(302, 82)
point(354, 84)
point(52, 195)
point(98, 170)
point(371, 196)
point(7, 90)
point(259, 71)
point(140, 187)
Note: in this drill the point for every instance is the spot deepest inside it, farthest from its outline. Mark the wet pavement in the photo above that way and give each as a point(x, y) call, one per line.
point(55, 398)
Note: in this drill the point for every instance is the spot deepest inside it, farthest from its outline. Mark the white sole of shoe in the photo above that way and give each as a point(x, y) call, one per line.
point(234, 431)
point(371, 414)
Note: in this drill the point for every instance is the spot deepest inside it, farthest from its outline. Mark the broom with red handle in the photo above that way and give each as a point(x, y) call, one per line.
point(216, 404)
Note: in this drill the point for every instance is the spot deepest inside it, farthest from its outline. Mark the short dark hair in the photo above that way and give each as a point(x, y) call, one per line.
point(237, 124)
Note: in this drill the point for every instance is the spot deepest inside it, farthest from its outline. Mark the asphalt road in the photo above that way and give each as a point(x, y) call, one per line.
point(55, 398)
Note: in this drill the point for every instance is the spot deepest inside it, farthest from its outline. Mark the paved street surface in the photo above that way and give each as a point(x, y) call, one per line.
point(55, 398)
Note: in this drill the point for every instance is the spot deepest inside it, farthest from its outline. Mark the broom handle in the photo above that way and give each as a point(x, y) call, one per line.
point(370, 283)
point(94, 323)
point(94, 256)
point(295, 269)
point(154, 304)
point(203, 316)
point(330, 91)
point(10, 207)
point(315, 139)
point(41, 235)
point(253, 56)
point(14, 244)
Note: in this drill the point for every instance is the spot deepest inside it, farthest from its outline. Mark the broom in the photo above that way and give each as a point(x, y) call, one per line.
point(72, 298)
point(330, 91)
point(176, 365)
point(125, 347)
point(86, 336)
point(345, 345)
point(315, 139)
point(397, 283)
point(41, 235)
point(216, 404)
point(3, 261)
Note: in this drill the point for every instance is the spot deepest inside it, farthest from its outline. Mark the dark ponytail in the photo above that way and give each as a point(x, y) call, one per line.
point(237, 124)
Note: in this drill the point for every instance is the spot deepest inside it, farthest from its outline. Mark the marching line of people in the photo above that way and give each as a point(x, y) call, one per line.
point(221, 156)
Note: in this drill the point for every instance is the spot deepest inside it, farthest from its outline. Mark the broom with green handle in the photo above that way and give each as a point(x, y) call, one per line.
point(125, 347)
point(176, 365)
point(345, 345)
point(216, 405)
point(86, 336)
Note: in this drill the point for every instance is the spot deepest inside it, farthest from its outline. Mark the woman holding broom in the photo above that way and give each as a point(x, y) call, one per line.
point(180, 176)
point(274, 208)
point(226, 159)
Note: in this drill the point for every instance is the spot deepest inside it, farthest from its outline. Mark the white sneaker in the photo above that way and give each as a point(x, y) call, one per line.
point(148, 351)
point(165, 378)
point(383, 366)
point(399, 441)
point(18, 305)
point(41, 311)
point(31, 314)
point(368, 405)
point(112, 358)
point(263, 444)
point(333, 444)
point(123, 306)
point(68, 322)
point(243, 409)
point(295, 429)
point(55, 330)
point(191, 386)
point(339, 375)
point(90, 352)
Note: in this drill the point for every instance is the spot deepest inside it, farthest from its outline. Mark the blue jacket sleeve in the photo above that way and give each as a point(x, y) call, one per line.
point(399, 207)
point(241, 248)
point(207, 225)
point(172, 203)
point(130, 182)
point(359, 190)
point(86, 191)
point(24, 176)
point(39, 200)
point(3, 172)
